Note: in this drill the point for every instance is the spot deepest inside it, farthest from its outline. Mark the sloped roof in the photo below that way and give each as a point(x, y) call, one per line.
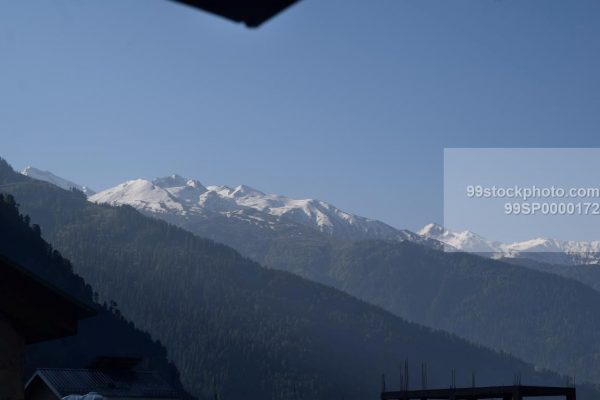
point(118, 383)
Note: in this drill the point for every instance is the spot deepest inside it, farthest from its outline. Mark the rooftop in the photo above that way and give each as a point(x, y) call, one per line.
point(113, 383)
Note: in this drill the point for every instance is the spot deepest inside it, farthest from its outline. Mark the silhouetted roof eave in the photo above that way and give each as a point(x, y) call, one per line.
point(251, 12)
point(37, 309)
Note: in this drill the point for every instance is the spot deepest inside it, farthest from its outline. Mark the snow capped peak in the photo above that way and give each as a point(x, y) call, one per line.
point(432, 229)
point(195, 184)
point(176, 195)
point(141, 194)
point(135, 186)
point(49, 177)
point(176, 180)
point(462, 241)
point(188, 190)
point(536, 245)
point(243, 190)
point(181, 190)
point(541, 249)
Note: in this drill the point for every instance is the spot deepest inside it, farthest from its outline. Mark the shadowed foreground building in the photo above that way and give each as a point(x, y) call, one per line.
point(31, 311)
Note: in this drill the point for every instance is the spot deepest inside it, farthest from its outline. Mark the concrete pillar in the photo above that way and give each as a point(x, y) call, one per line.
point(12, 347)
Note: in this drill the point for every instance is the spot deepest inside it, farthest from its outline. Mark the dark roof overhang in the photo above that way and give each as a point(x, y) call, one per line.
point(251, 12)
point(38, 310)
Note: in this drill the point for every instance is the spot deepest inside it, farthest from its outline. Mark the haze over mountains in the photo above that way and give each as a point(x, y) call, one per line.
point(187, 202)
point(228, 323)
point(518, 310)
point(180, 197)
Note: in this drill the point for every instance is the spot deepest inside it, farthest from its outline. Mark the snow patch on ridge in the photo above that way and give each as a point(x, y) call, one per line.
point(556, 251)
point(178, 195)
point(49, 177)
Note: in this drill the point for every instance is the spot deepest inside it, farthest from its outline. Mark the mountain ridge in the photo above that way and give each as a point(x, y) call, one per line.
point(231, 323)
point(186, 196)
point(386, 271)
point(175, 194)
point(538, 249)
point(49, 177)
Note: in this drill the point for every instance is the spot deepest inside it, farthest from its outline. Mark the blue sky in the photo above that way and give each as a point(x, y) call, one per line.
point(346, 101)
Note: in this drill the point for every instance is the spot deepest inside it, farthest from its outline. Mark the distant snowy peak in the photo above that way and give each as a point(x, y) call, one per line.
point(540, 249)
point(141, 194)
point(463, 241)
point(432, 230)
point(175, 180)
point(49, 177)
point(178, 195)
point(246, 191)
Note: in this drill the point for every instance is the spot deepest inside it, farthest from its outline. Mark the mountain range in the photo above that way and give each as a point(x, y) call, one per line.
point(496, 304)
point(539, 249)
point(232, 326)
point(187, 201)
point(188, 198)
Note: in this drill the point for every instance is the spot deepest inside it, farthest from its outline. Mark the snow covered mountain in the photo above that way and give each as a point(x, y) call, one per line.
point(55, 180)
point(540, 249)
point(186, 198)
point(234, 215)
point(462, 241)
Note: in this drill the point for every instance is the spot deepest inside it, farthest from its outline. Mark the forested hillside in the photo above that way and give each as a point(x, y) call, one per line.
point(588, 274)
point(230, 324)
point(544, 319)
point(541, 317)
point(107, 334)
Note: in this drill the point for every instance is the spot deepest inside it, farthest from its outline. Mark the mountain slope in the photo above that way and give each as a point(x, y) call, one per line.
point(543, 318)
point(187, 203)
point(107, 334)
point(587, 274)
point(228, 322)
point(180, 196)
point(231, 216)
point(251, 221)
point(374, 265)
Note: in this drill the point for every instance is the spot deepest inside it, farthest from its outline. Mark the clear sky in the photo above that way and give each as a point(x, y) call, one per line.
point(347, 101)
